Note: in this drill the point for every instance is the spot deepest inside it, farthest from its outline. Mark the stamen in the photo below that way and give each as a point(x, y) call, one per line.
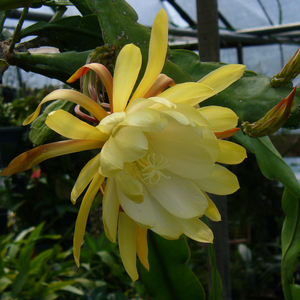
point(152, 172)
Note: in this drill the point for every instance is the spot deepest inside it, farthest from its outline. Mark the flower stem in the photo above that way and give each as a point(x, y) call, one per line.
point(18, 29)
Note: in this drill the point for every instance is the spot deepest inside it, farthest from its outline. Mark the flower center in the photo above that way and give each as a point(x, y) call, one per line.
point(153, 172)
point(148, 169)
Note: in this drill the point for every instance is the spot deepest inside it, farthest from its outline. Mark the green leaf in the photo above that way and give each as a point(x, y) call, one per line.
point(290, 243)
point(295, 291)
point(42, 258)
point(39, 130)
point(169, 276)
point(252, 97)
point(270, 161)
point(73, 290)
point(190, 62)
point(54, 65)
point(12, 4)
point(3, 63)
point(57, 285)
point(82, 6)
point(73, 33)
point(3, 15)
point(4, 283)
point(27, 249)
point(216, 282)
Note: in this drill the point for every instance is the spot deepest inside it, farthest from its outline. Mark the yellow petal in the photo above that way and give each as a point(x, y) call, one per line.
point(111, 207)
point(130, 187)
point(111, 159)
point(127, 245)
point(142, 213)
point(33, 157)
point(189, 93)
point(157, 53)
point(160, 84)
point(212, 211)
point(231, 153)
point(190, 112)
point(95, 109)
point(166, 224)
point(196, 230)
point(222, 77)
point(146, 120)
point(179, 196)
point(83, 215)
point(127, 70)
point(187, 153)
point(219, 118)
point(154, 102)
point(142, 246)
point(71, 127)
point(132, 142)
point(85, 177)
point(102, 72)
point(220, 182)
point(108, 124)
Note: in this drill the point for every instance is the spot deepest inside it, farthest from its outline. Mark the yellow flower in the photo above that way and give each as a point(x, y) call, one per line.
point(159, 154)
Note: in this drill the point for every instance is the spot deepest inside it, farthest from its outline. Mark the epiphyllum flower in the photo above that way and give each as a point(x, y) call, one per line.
point(159, 154)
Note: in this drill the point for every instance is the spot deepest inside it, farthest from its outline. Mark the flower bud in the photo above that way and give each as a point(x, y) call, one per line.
point(289, 71)
point(273, 120)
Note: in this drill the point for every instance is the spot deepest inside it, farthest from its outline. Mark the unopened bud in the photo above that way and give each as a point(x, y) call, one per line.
point(273, 120)
point(289, 71)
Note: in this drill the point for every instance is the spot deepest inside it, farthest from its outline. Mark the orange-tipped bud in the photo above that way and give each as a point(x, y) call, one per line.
point(273, 120)
point(289, 71)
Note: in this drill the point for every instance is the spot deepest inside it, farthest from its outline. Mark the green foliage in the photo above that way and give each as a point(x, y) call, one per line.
point(55, 65)
point(15, 112)
point(29, 273)
point(290, 243)
point(169, 276)
point(251, 97)
point(273, 167)
point(68, 34)
point(270, 161)
point(39, 130)
point(12, 4)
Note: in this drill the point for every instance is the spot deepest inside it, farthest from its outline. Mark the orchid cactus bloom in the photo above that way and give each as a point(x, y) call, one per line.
point(160, 155)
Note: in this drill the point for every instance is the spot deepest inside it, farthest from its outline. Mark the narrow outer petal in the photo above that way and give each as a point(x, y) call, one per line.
point(111, 207)
point(71, 127)
point(127, 69)
point(95, 109)
point(127, 245)
point(223, 77)
point(219, 118)
point(160, 84)
point(33, 157)
point(220, 182)
point(196, 230)
point(157, 54)
point(231, 153)
point(83, 215)
point(102, 72)
point(85, 177)
point(189, 93)
point(142, 246)
point(212, 211)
